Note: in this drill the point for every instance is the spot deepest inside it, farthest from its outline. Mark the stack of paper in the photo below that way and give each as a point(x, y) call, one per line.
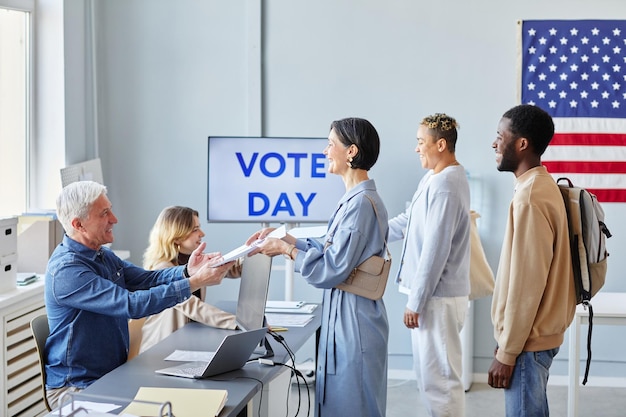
point(186, 402)
point(288, 320)
point(284, 304)
point(289, 307)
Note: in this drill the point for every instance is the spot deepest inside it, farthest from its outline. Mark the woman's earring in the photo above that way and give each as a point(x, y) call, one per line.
point(349, 161)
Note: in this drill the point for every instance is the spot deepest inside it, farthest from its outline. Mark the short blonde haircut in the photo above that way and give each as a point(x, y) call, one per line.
point(442, 126)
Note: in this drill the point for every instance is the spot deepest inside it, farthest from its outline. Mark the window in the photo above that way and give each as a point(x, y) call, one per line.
point(15, 105)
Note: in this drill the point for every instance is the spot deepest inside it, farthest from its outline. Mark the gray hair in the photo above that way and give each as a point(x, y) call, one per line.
point(76, 200)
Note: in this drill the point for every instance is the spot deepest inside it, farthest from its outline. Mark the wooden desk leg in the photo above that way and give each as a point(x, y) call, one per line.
point(574, 367)
point(248, 410)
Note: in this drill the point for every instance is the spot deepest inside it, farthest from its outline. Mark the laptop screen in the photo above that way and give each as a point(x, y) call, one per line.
point(255, 280)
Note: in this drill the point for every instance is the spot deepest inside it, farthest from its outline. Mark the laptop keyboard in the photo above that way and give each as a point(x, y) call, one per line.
point(193, 370)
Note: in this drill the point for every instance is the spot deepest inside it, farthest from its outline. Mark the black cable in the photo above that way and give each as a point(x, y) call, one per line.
point(308, 392)
point(281, 340)
point(296, 372)
point(292, 373)
point(298, 375)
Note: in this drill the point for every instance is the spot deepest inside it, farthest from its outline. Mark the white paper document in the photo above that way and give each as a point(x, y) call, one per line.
point(243, 250)
point(288, 320)
point(238, 252)
point(90, 407)
point(284, 304)
point(303, 309)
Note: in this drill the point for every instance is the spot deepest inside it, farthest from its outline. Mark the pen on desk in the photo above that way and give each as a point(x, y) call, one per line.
point(279, 329)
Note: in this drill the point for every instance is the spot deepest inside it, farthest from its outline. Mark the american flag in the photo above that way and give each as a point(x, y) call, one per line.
point(576, 71)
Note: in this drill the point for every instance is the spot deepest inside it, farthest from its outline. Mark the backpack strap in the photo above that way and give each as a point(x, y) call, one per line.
point(588, 304)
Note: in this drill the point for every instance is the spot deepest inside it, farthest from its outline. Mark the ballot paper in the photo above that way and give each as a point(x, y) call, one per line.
point(243, 250)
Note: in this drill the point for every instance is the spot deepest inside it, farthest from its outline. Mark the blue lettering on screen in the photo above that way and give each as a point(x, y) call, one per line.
point(281, 164)
point(317, 164)
point(259, 204)
point(247, 170)
point(296, 157)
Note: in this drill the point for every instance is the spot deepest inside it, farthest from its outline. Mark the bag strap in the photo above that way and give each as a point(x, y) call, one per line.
point(378, 222)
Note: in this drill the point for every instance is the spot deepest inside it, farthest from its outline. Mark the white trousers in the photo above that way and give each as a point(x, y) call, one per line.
point(438, 357)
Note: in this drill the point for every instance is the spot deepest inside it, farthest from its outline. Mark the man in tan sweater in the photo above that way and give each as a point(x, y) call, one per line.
point(534, 298)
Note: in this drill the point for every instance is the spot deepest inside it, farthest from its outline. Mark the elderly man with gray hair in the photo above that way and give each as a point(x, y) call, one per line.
point(90, 293)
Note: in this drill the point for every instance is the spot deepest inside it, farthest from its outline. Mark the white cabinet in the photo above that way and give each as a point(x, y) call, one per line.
point(20, 377)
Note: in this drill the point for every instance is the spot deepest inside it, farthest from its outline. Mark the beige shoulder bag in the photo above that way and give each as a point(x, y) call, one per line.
point(369, 279)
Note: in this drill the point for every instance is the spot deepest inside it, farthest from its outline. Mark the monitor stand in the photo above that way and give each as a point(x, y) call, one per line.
point(264, 349)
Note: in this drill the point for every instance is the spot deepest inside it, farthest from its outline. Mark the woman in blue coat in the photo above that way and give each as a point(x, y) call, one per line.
point(351, 375)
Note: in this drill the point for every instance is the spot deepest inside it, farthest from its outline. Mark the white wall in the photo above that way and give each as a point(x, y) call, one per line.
point(49, 93)
point(171, 73)
point(64, 129)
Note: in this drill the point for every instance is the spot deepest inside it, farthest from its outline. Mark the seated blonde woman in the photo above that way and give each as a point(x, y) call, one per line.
point(173, 238)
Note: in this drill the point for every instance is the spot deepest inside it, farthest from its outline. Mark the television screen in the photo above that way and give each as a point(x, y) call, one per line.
point(262, 179)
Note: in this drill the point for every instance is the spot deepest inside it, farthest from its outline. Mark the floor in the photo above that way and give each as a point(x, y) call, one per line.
point(483, 401)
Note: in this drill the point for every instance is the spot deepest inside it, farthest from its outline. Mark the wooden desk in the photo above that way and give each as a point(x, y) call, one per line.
point(242, 385)
point(608, 308)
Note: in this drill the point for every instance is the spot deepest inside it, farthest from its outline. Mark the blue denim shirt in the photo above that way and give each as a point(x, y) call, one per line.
point(90, 295)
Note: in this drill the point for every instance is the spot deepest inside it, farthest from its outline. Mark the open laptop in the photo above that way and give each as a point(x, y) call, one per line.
point(230, 355)
point(253, 288)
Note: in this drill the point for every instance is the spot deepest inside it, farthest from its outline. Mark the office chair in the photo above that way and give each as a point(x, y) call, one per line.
point(134, 332)
point(40, 329)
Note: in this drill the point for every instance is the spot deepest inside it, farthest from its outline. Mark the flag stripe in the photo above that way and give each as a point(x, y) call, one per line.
point(589, 124)
point(610, 196)
point(585, 139)
point(595, 181)
point(585, 153)
point(585, 167)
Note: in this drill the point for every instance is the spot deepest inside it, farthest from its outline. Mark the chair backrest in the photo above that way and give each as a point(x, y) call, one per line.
point(40, 329)
point(134, 332)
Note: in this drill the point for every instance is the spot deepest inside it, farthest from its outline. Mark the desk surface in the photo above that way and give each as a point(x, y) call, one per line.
point(609, 308)
point(19, 294)
point(605, 304)
point(242, 385)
